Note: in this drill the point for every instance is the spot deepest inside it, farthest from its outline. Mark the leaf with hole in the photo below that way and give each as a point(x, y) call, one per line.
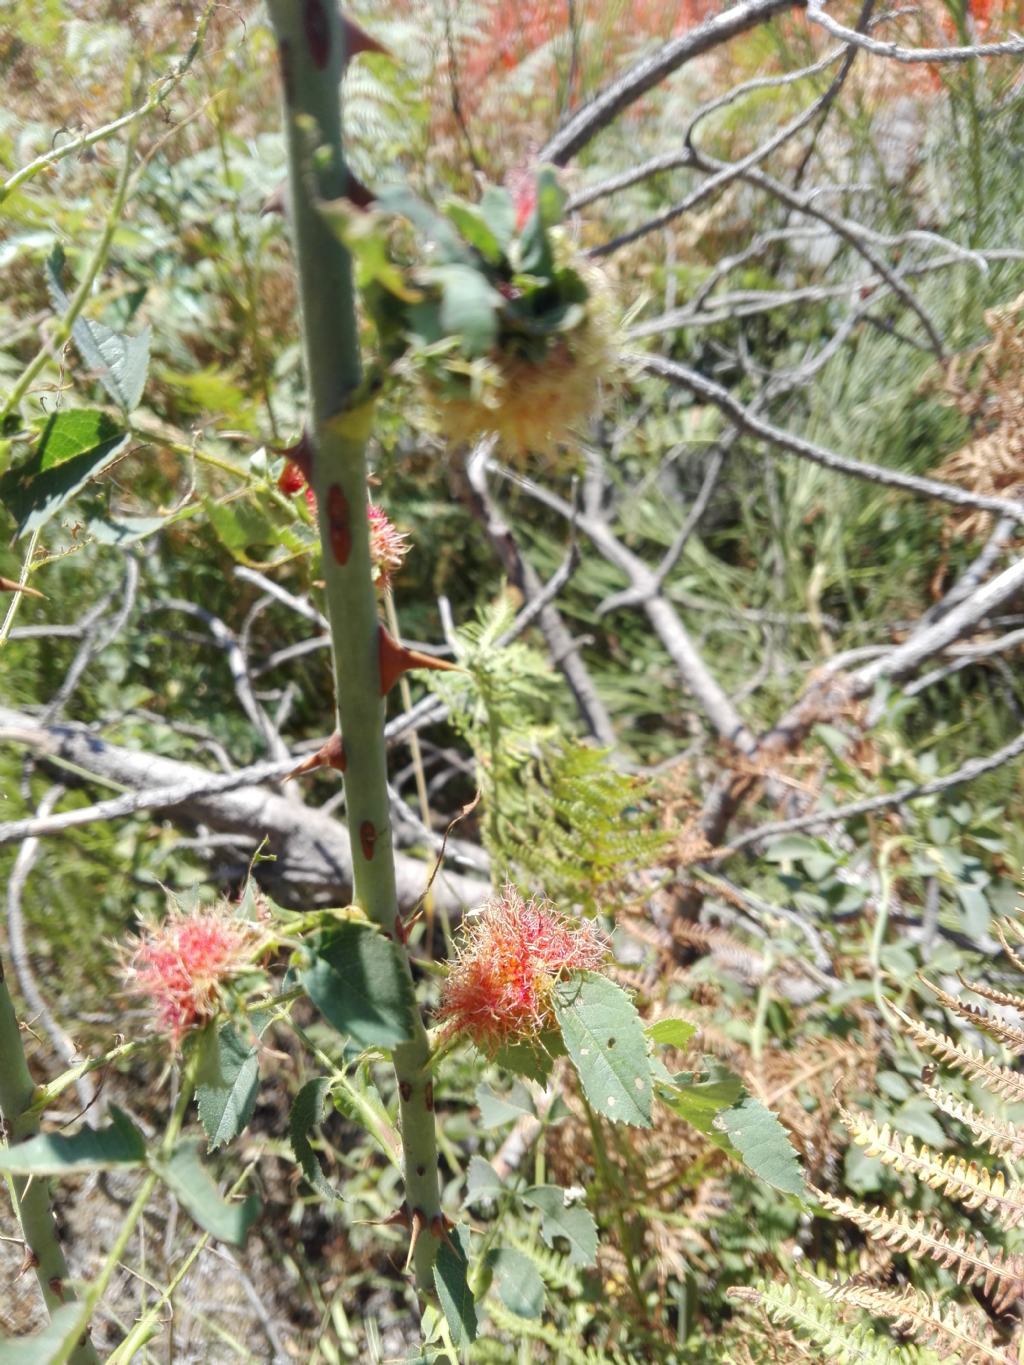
point(605, 1040)
point(574, 1222)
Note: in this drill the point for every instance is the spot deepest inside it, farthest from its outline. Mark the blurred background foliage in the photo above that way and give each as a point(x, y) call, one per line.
point(792, 566)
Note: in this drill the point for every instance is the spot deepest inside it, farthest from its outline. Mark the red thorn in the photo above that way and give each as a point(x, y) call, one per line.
point(9, 585)
point(331, 754)
point(395, 660)
point(358, 40)
point(56, 1287)
point(439, 1226)
point(357, 193)
point(419, 1222)
point(338, 527)
point(400, 1218)
point(300, 454)
point(367, 839)
point(401, 933)
point(29, 1262)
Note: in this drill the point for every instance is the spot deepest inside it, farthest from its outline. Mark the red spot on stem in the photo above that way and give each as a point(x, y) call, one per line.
point(338, 525)
point(318, 32)
point(405, 1090)
point(428, 1096)
point(284, 57)
point(367, 839)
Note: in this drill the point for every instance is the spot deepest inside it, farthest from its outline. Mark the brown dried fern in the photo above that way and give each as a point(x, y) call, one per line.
point(1000, 1136)
point(972, 1261)
point(1009, 1035)
point(946, 1327)
point(972, 1185)
point(998, 1080)
point(1008, 999)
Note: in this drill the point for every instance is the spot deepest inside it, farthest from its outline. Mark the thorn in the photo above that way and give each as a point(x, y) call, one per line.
point(56, 1287)
point(331, 754)
point(276, 201)
point(439, 1226)
point(357, 193)
point(358, 40)
point(419, 1222)
point(9, 585)
point(30, 1261)
point(301, 454)
point(395, 660)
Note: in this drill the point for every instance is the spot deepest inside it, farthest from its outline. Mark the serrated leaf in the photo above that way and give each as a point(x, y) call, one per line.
point(671, 1032)
point(50, 1344)
point(532, 1060)
point(497, 1109)
point(700, 1102)
point(482, 1181)
point(118, 1145)
point(574, 1222)
point(191, 1183)
point(763, 1144)
point(520, 1286)
point(451, 1280)
point(605, 1039)
point(226, 1102)
point(73, 448)
point(358, 982)
point(120, 362)
point(307, 1112)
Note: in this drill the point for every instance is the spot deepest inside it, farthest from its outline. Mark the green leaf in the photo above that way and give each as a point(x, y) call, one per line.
point(537, 257)
point(191, 1183)
point(497, 1109)
point(532, 1060)
point(366, 237)
point(307, 1112)
point(520, 1286)
point(73, 448)
point(671, 1032)
point(474, 227)
point(401, 201)
point(119, 361)
point(357, 980)
point(482, 1181)
point(700, 1102)
point(451, 1280)
point(605, 1040)
point(574, 1222)
point(498, 211)
point(227, 1100)
point(763, 1144)
point(90, 1149)
point(469, 306)
point(49, 1344)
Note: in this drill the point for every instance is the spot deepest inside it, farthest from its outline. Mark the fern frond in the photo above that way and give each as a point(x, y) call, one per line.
point(998, 1080)
point(1004, 928)
point(1010, 999)
point(944, 1326)
point(1009, 1035)
point(800, 1307)
point(974, 1186)
point(971, 1260)
point(563, 1347)
point(1000, 1136)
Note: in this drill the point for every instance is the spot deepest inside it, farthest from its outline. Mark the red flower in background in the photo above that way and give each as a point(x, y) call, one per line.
point(499, 986)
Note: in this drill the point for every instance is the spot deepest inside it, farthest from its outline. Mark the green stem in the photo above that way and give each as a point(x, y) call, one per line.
point(310, 46)
point(31, 1196)
point(78, 300)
